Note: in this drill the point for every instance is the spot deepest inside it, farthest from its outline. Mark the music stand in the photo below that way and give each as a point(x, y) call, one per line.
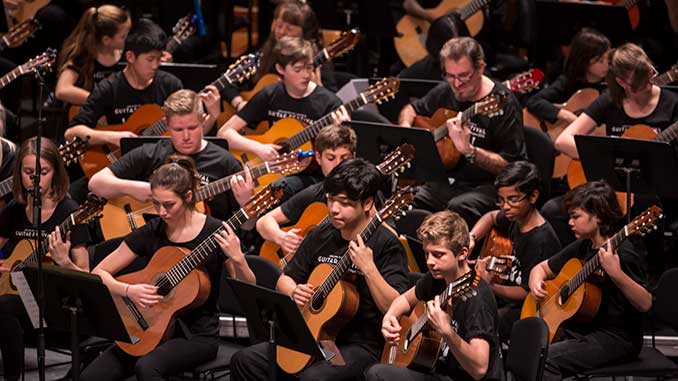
point(629, 165)
point(376, 140)
point(128, 144)
point(276, 318)
point(78, 302)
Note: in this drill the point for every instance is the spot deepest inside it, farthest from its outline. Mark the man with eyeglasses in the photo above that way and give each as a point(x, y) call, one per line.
point(533, 238)
point(487, 144)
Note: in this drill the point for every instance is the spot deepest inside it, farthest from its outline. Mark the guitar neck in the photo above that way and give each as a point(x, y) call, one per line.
point(669, 134)
point(158, 128)
point(172, 44)
point(224, 184)
point(12, 75)
point(442, 131)
point(322, 57)
point(471, 8)
point(65, 227)
point(309, 133)
point(665, 78)
point(423, 319)
point(6, 187)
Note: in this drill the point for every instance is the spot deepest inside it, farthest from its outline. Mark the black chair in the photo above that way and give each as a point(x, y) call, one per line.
point(541, 152)
point(650, 362)
point(407, 226)
point(527, 350)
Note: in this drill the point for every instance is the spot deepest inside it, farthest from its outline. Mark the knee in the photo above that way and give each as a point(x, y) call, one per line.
point(379, 372)
point(145, 369)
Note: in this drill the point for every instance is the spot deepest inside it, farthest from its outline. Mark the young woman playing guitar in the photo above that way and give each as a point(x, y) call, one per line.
point(194, 340)
point(17, 225)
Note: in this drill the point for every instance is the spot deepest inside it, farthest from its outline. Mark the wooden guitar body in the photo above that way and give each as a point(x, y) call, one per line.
point(21, 252)
point(25, 11)
point(190, 293)
point(412, 31)
point(99, 157)
point(229, 111)
point(448, 152)
point(311, 217)
point(421, 352)
point(324, 320)
point(582, 305)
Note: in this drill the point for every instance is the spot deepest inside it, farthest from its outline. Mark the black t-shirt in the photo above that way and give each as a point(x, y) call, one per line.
point(273, 103)
point(16, 226)
point(604, 111)
point(145, 241)
point(501, 134)
point(295, 206)
point(529, 248)
point(213, 163)
point(476, 317)
point(324, 244)
point(541, 104)
point(616, 314)
point(100, 72)
point(115, 99)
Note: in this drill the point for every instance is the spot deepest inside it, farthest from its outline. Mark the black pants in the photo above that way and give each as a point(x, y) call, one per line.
point(253, 363)
point(170, 358)
point(384, 372)
point(471, 202)
point(14, 322)
point(581, 353)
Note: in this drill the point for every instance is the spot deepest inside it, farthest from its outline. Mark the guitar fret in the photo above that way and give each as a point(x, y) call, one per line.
point(6, 187)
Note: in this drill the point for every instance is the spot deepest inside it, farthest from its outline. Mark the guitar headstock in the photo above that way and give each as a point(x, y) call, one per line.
point(72, 150)
point(492, 105)
point(398, 160)
point(398, 204)
point(346, 41)
point(463, 287)
point(645, 222)
point(90, 210)
point(42, 62)
point(262, 200)
point(382, 90)
point(21, 32)
point(184, 28)
point(526, 81)
point(291, 162)
point(243, 68)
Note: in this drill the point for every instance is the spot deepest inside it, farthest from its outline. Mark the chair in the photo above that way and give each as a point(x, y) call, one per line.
point(541, 152)
point(650, 362)
point(407, 227)
point(527, 350)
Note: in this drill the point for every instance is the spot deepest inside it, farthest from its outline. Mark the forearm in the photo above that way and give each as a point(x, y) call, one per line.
point(72, 94)
point(566, 145)
point(114, 286)
point(490, 161)
point(285, 285)
point(237, 141)
point(209, 123)
point(105, 184)
point(407, 115)
point(382, 293)
point(636, 294)
point(484, 224)
point(400, 306)
point(269, 229)
point(96, 137)
point(80, 259)
point(515, 293)
point(474, 359)
point(238, 269)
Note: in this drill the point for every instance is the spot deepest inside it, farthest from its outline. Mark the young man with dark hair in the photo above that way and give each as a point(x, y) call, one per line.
point(379, 264)
point(469, 330)
point(532, 237)
point(616, 334)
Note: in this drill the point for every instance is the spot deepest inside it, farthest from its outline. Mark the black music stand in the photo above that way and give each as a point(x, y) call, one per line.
point(128, 144)
point(376, 140)
point(79, 303)
point(630, 165)
point(276, 318)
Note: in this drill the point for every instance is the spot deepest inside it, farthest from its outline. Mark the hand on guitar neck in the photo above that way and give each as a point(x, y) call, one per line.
point(242, 187)
point(438, 318)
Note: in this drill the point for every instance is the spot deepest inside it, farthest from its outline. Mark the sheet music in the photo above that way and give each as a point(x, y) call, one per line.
point(31, 305)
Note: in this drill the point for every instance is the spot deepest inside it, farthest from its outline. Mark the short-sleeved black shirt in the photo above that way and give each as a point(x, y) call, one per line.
point(100, 72)
point(16, 226)
point(475, 317)
point(213, 163)
point(541, 104)
point(529, 248)
point(501, 134)
point(604, 111)
point(115, 99)
point(616, 314)
point(273, 103)
point(324, 244)
point(295, 206)
point(145, 241)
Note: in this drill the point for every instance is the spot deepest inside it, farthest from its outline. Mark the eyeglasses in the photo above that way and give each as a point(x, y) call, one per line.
point(462, 78)
point(512, 201)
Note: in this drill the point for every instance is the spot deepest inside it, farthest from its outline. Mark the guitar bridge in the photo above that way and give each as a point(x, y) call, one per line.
point(137, 314)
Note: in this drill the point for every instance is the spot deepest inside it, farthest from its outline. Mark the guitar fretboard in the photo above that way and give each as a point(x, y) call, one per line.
point(64, 228)
point(156, 129)
point(469, 9)
point(6, 187)
point(12, 75)
point(669, 134)
point(224, 184)
point(665, 78)
point(442, 131)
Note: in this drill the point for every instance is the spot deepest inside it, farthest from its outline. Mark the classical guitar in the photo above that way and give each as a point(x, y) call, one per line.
point(70, 153)
point(124, 214)
point(26, 252)
point(570, 295)
point(410, 43)
point(419, 346)
point(181, 31)
point(18, 34)
point(499, 249)
point(335, 301)
point(491, 106)
point(667, 77)
point(525, 82)
point(346, 41)
point(316, 213)
point(42, 62)
point(177, 274)
point(23, 12)
point(292, 134)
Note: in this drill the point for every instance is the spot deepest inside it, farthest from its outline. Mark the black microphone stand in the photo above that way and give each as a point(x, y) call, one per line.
point(37, 222)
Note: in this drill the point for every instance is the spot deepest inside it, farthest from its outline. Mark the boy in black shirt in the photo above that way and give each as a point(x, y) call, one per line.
point(469, 332)
point(381, 270)
point(615, 335)
point(532, 237)
point(487, 144)
point(185, 118)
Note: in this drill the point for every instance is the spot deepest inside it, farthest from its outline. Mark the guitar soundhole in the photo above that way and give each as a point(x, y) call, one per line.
point(163, 283)
point(317, 303)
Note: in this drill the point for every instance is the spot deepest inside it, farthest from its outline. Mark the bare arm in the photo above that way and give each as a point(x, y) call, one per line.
point(473, 356)
point(390, 326)
point(482, 227)
point(97, 137)
point(412, 7)
point(538, 275)
point(111, 265)
point(490, 161)
point(636, 294)
point(583, 125)
point(269, 225)
point(362, 256)
point(229, 131)
point(516, 293)
point(67, 91)
point(407, 115)
point(106, 184)
point(286, 285)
